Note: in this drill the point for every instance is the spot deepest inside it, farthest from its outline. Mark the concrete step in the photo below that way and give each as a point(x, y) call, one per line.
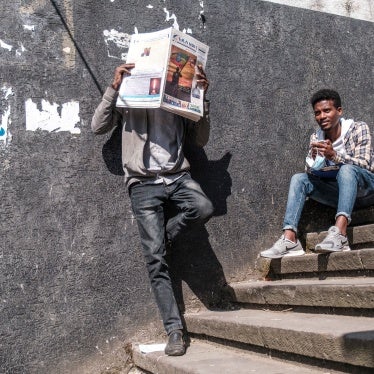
point(207, 358)
point(360, 262)
point(357, 236)
point(343, 339)
point(337, 293)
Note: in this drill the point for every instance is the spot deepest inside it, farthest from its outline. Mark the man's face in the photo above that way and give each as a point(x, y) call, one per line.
point(326, 115)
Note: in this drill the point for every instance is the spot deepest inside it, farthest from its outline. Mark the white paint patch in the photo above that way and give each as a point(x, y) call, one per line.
point(117, 43)
point(5, 135)
point(359, 9)
point(5, 45)
point(150, 6)
point(29, 27)
point(7, 91)
point(20, 50)
point(171, 17)
point(136, 30)
point(49, 119)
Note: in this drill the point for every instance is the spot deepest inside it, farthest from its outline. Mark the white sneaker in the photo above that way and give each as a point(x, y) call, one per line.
point(334, 242)
point(283, 248)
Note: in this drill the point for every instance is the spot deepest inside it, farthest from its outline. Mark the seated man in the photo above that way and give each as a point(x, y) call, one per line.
point(340, 167)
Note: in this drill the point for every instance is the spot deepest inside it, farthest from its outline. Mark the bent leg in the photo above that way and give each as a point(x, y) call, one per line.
point(148, 207)
point(300, 188)
point(193, 206)
point(352, 180)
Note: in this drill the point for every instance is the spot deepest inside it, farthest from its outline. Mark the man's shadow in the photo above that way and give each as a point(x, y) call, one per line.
point(192, 258)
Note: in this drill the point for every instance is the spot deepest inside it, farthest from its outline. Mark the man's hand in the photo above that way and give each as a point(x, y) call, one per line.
point(323, 148)
point(202, 80)
point(121, 70)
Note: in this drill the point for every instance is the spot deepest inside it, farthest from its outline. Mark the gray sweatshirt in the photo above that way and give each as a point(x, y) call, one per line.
point(135, 135)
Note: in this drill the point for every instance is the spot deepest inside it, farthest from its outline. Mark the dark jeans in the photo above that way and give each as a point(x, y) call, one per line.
point(148, 204)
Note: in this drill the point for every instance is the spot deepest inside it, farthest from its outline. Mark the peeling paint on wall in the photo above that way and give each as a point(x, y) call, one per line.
point(20, 50)
point(29, 27)
point(9, 47)
point(5, 135)
point(117, 43)
point(5, 45)
point(171, 17)
point(51, 118)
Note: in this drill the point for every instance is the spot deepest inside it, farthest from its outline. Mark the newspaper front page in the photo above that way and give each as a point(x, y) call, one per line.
point(165, 73)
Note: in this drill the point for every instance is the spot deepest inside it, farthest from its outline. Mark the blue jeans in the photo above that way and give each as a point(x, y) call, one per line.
point(148, 204)
point(351, 182)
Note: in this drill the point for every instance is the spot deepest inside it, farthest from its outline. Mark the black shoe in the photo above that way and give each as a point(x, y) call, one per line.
point(175, 346)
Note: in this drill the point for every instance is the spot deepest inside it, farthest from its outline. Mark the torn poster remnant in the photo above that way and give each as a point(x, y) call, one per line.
point(52, 117)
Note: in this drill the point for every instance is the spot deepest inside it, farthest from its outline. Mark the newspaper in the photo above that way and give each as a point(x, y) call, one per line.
point(165, 73)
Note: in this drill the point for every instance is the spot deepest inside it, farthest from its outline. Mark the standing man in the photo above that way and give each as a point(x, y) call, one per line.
point(340, 167)
point(157, 174)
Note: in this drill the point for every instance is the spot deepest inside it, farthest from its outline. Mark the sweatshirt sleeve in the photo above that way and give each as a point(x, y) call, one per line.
point(198, 132)
point(106, 116)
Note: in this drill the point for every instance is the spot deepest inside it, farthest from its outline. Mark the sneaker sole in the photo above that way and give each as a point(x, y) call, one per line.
point(287, 254)
point(346, 248)
point(299, 252)
point(272, 256)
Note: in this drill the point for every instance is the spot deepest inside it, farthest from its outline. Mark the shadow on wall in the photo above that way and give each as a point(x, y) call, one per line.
point(213, 176)
point(112, 152)
point(192, 258)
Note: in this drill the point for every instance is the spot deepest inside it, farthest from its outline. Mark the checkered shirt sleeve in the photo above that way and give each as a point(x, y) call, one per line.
point(358, 146)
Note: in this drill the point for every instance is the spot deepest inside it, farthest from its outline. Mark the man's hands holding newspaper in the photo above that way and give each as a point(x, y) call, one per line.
point(125, 69)
point(202, 80)
point(121, 70)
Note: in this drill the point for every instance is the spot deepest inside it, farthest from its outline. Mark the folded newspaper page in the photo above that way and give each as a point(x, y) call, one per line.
point(165, 73)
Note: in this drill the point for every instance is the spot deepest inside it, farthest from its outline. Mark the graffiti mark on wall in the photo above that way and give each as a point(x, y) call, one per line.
point(52, 117)
point(5, 135)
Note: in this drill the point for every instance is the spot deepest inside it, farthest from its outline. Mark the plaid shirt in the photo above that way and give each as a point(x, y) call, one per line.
point(358, 147)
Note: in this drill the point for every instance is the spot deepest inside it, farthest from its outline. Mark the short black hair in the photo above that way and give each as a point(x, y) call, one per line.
point(326, 94)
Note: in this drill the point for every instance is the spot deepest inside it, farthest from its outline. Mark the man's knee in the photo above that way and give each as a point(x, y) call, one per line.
point(200, 210)
point(348, 175)
point(347, 168)
point(206, 209)
point(298, 180)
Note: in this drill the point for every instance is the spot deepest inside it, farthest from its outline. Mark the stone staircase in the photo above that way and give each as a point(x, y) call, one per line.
point(312, 314)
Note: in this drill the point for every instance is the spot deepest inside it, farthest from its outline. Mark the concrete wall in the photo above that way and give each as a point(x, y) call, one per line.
point(73, 282)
